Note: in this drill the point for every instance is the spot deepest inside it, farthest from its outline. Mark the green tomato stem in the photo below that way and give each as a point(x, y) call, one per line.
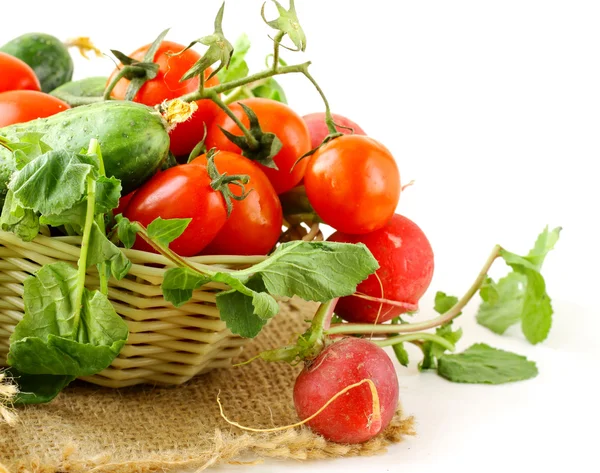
point(428, 324)
point(113, 83)
point(328, 117)
point(411, 337)
point(252, 142)
point(276, 43)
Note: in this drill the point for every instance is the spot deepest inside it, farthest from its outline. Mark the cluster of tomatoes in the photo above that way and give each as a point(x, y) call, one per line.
point(21, 99)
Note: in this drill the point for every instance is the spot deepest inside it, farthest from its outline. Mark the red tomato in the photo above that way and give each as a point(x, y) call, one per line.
point(353, 183)
point(16, 75)
point(123, 203)
point(405, 270)
point(20, 106)
point(274, 117)
point(318, 128)
point(166, 86)
point(254, 225)
point(180, 192)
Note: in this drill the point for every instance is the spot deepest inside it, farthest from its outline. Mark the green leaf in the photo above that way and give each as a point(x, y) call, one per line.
point(238, 68)
point(486, 365)
point(101, 250)
point(521, 296)
point(401, 353)
point(179, 283)
point(29, 147)
point(108, 193)
point(165, 231)
point(270, 89)
point(315, 271)
point(444, 302)
point(38, 388)
point(126, 231)
point(52, 183)
point(50, 339)
point(502, 303)
point(22, 222)
point(543, 245)
point(264, 305)
point(238, 312)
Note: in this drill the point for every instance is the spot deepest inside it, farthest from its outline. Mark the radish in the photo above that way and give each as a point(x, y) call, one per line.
point(318, 128)
point(363, 410)
point(405, 270)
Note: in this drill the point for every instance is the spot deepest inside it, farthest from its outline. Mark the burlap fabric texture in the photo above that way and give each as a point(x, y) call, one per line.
point(144, 428)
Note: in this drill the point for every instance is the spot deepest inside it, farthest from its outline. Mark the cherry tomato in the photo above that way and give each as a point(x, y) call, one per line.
point(166, 86)
point(405, 270)
point(274, 117)
point(180, 192)
point(20, 106)
point(16, 75)
point(353, 183)
point(123, 203)
point(318, 128)
point(254, 225)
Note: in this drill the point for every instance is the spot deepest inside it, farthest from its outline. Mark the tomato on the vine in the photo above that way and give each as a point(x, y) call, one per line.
point(274, 117)
point(20, 106)
point(166, 86)
point(254, 225)
point(318, 128)
point(180, 192)
point(16, 74)
point(405, 271)
point(353, 183)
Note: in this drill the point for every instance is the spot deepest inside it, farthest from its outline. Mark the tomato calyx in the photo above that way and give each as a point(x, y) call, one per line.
point(137, 72)
point(287, 24)
point(266, 145)
point(220, 182)
point(219, 50)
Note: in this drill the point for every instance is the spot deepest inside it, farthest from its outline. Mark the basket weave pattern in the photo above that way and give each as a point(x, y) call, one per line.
point(166, 345)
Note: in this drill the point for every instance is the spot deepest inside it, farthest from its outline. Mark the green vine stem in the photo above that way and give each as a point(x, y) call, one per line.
point(252, 141)
point(412, 337)
point(428, 324)
point(276, 43)
point(109, 88)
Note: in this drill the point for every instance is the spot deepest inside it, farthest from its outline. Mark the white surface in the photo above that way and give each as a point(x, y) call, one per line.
point(494, 109)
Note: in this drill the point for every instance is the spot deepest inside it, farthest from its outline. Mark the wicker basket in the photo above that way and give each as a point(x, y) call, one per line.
point(166, 345)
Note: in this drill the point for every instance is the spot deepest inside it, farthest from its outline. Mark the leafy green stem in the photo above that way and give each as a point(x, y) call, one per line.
point(276, 44)
point(109, 88)
point(85, 245)
point(428, 324)
point(412, 337)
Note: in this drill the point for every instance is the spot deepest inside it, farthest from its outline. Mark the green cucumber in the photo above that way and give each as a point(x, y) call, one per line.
point(46, 55)
point(81, 92)
point(132, 136)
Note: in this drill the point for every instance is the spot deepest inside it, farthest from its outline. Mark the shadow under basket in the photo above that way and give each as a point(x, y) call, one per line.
point(166, 345)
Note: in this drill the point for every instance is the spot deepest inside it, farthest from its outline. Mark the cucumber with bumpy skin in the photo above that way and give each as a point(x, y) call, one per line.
point(81, 92)
point(46, 55)
point(132, 136)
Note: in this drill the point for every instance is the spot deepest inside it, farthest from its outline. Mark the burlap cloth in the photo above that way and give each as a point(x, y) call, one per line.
point(149, 428)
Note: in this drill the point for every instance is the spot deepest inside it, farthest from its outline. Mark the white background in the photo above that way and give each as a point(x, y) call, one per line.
point(494, 109)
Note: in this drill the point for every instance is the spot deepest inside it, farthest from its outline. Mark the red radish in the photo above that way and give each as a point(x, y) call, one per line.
point(318, 128)
point(357, 415)
point(405, 270)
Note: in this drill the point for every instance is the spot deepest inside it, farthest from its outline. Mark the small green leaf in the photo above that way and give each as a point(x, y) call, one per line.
point(486, 365)
point(444, 302)
point(179, 283)
point(543, 245)
point(126, 231)
point(288, 23)
point(52, 183)
point(22, 222)
point(270, 89)
point(165, 231)
point(108, 193)
point(502, 303)
point(101, 250)
point(264, 305)
point(238, 68)
point(237, 310)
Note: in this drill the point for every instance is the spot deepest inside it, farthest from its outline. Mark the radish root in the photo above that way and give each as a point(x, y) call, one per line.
point(8, 391)
point(374, 423)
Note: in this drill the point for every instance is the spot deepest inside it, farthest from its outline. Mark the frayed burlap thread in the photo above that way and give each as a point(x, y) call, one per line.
point(144, 429)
